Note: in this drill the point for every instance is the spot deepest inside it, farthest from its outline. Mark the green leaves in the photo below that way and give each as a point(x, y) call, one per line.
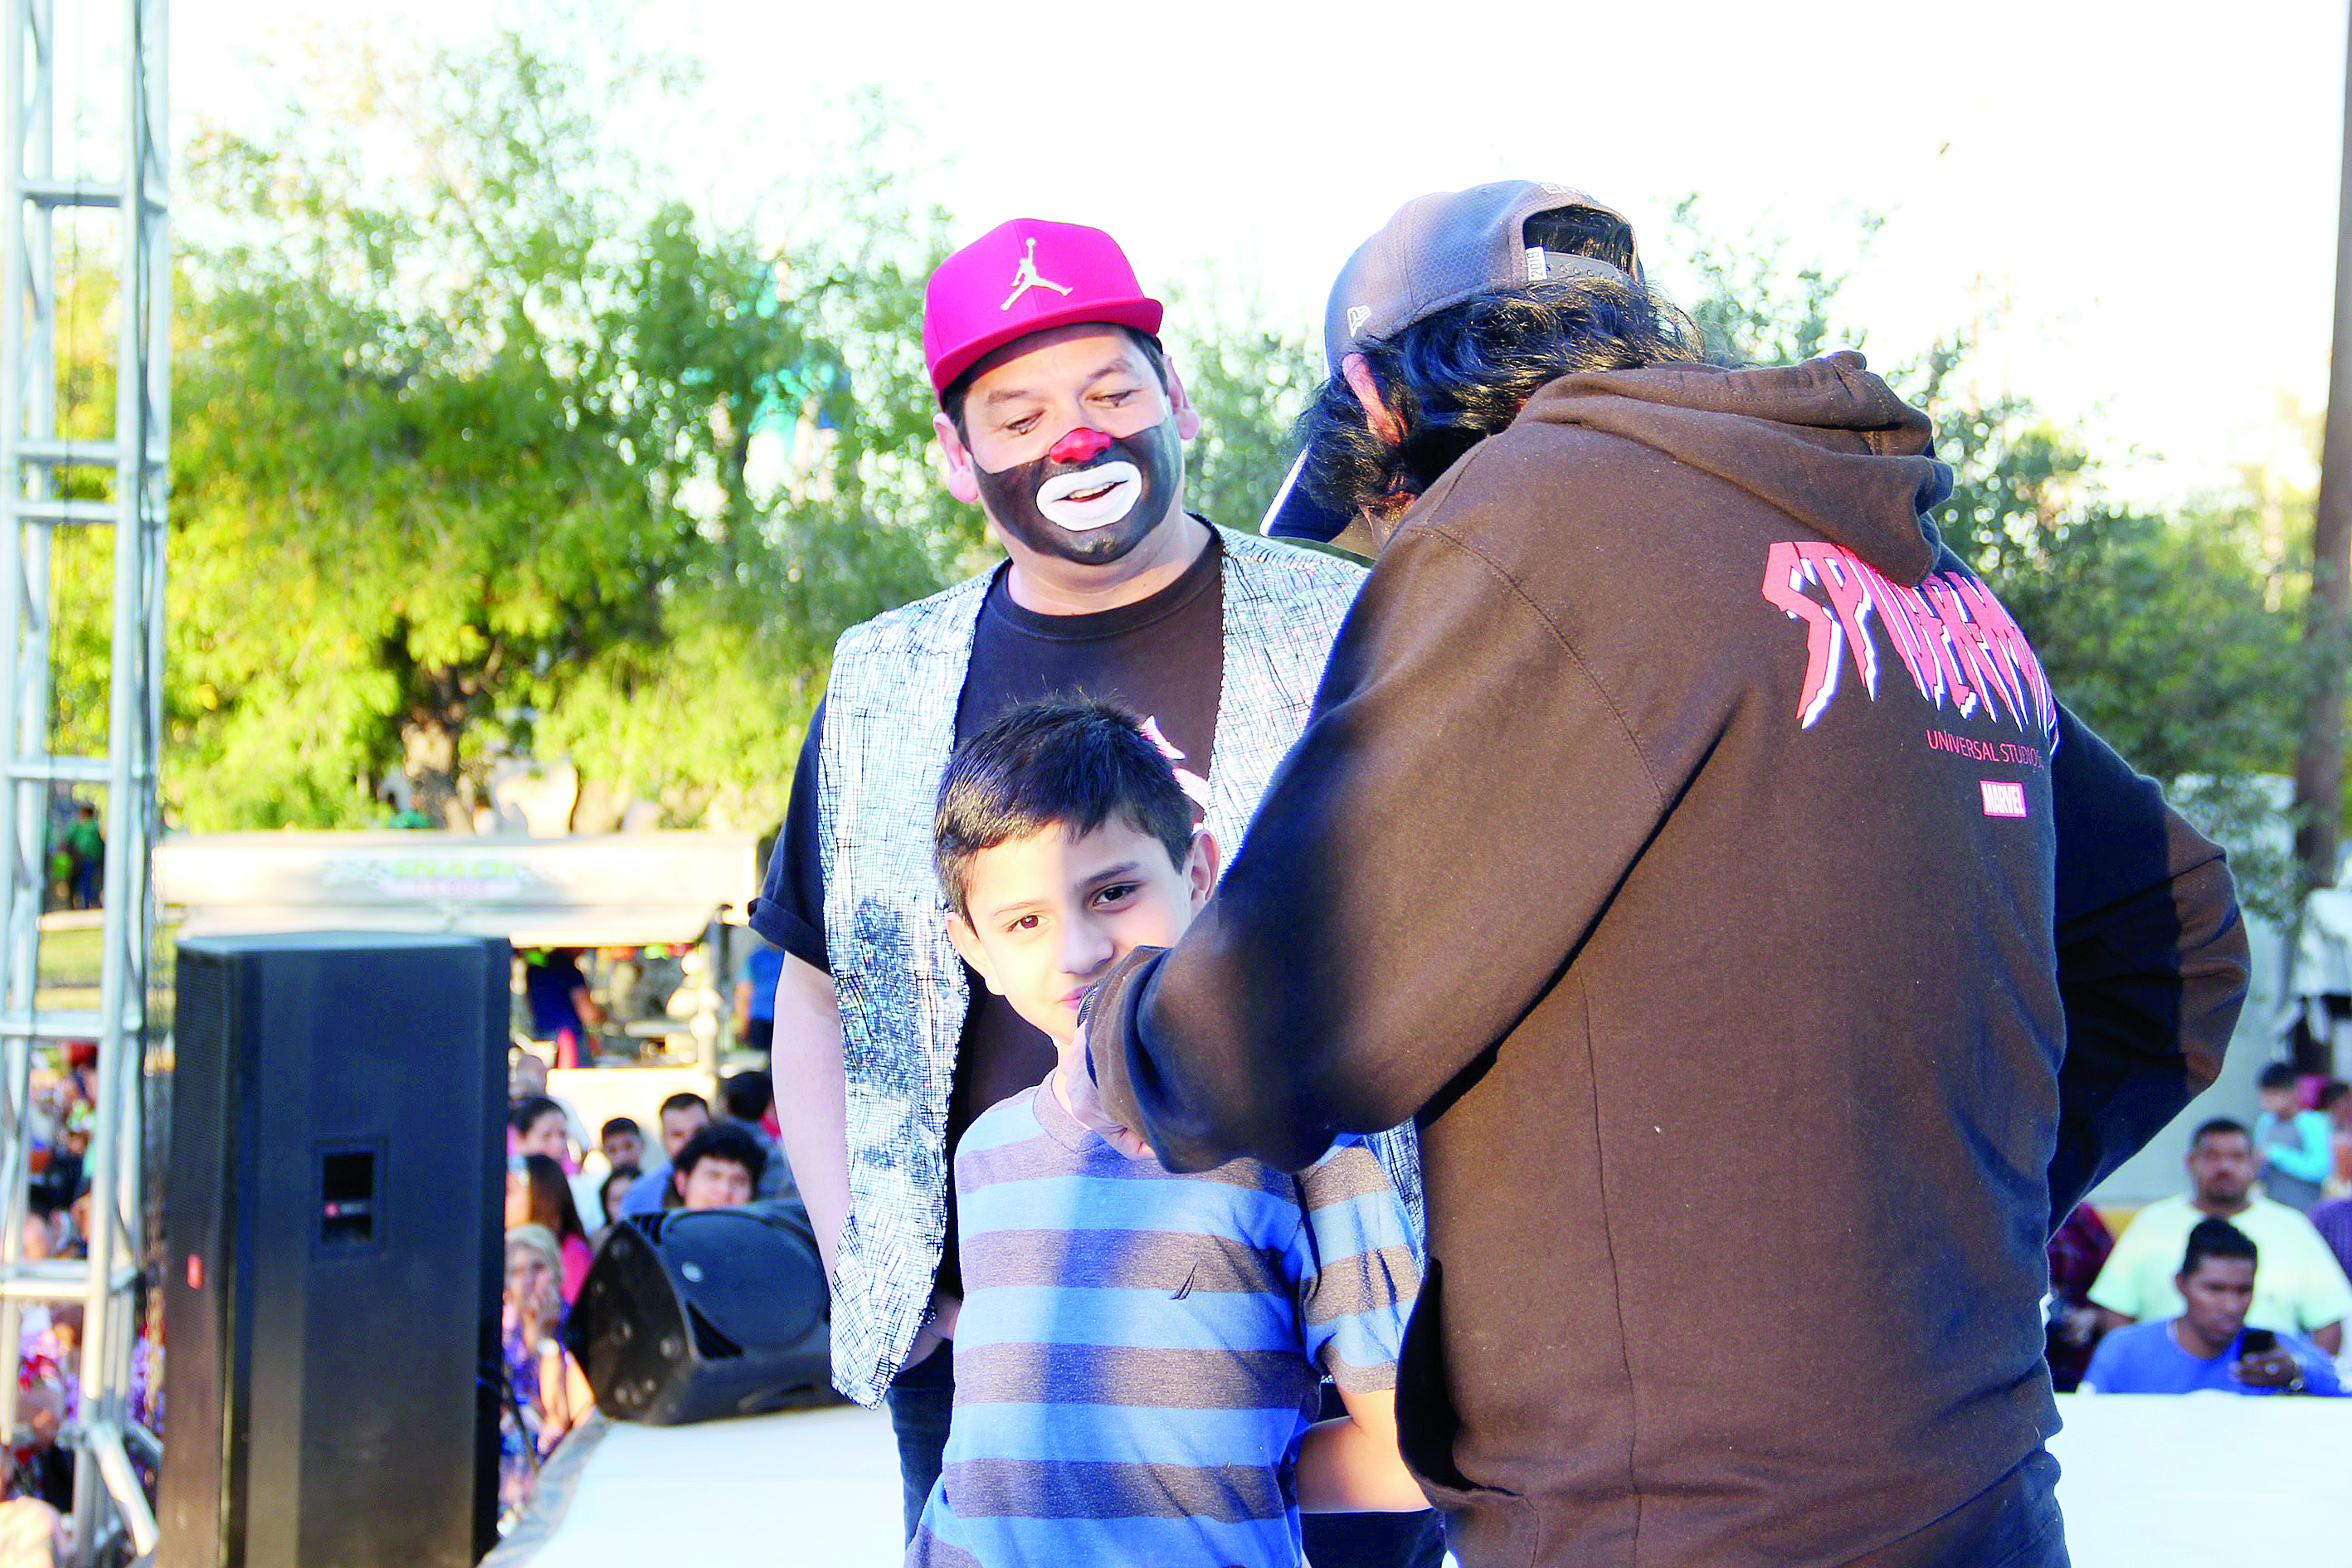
point(2176, 636)
point(480, 448)
point(1249, 385)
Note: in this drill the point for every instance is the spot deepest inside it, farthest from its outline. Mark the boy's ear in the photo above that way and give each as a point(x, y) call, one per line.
point(967, 946)
point(1201, 866)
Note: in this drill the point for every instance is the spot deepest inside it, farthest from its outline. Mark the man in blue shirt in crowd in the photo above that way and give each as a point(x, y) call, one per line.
point(561, 1010)
point(755, 995)
point(2208, 1346)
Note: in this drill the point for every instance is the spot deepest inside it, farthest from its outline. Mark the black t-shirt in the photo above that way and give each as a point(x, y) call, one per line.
point(1161, 659)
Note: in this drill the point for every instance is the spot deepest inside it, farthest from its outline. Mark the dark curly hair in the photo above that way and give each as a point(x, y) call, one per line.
point(1462, 373)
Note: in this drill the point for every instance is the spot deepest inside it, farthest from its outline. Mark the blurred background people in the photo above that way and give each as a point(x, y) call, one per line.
point(2300, 1288)
point(719, 1167)
point(2076, 1255)
point(609, 1198)
point(2294, 1141)
point(563, 1013)
point(2336, 1104)
point(538, 1195)
point(86, 844)
point(682, 1116)
point(2207, 1345)
point(540, 1128)
point(747, 1099)
point(546, 1394)
point(622, 1142)
point(755, 996)
point(527, 1080)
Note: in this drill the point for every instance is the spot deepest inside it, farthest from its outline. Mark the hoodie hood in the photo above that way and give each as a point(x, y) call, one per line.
point(1826, 442)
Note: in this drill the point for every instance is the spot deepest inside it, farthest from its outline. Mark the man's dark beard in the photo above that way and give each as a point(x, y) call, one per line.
point(1011, 498)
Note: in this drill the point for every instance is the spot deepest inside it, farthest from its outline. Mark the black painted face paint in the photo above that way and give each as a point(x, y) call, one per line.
point(1094, 511)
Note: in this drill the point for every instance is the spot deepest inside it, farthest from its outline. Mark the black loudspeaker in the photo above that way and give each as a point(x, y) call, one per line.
point(333, 1202)
point(690, 1315)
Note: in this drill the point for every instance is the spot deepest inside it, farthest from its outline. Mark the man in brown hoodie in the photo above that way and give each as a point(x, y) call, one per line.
point(1695, 848)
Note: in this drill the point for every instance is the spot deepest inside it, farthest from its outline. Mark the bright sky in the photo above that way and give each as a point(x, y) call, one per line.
point(2146, 195)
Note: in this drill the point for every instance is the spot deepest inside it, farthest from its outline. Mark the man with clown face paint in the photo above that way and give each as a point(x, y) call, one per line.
point(1062, 419)
point(1087, 497)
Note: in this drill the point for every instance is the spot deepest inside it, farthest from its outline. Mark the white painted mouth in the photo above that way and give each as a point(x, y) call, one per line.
point(1110, 491)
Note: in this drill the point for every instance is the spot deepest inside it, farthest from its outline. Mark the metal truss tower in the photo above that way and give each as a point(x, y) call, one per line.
point(50, 483)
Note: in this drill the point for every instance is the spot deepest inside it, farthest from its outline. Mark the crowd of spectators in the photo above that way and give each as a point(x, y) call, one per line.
point(538, 1195)
point(2208, 1345)
point(566, 1195)
point(62, 1104)
point(546, 1394)
point(2241, 1284)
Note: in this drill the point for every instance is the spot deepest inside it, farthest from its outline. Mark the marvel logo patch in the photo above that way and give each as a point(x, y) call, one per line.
point(2002, 797)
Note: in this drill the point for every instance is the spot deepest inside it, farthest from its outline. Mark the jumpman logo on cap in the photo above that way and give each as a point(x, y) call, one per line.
point(1026, 277)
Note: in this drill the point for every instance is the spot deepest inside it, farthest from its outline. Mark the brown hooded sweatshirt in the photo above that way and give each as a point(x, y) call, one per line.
point(1695, 848)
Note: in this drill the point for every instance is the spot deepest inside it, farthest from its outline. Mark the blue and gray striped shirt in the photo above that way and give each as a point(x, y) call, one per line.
point(1137, 1353)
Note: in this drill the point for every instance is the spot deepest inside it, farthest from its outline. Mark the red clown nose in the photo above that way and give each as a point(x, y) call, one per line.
point(1080, 446)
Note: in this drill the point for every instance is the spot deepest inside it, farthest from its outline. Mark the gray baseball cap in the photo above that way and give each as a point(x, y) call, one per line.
point(1439, 250)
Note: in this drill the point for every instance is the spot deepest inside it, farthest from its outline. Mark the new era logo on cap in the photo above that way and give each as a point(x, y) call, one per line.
point(1438, 251)
point(1440, 248)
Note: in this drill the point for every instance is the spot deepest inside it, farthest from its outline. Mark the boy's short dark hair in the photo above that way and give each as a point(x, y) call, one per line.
point(1069, 764)
point(722, 1140)
point(2216, 1238)
point(2278, 1075)
point(627, 1124)
point(747, 1095)
point(530, 1110)
point(684, 1100)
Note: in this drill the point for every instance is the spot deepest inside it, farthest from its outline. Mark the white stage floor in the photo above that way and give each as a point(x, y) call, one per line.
point(2149, 1482)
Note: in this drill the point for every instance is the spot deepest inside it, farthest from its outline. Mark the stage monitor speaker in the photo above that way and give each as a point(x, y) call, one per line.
point(690, 1315)
point(333, 1202)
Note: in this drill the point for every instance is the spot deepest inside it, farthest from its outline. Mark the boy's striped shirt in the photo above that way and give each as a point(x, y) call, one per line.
point(1138, 1353)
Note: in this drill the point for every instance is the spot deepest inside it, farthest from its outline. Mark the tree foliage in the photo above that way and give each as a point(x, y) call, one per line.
point(1249, 380)
point(487, 447)
point(2176, 637)
point(490, 454)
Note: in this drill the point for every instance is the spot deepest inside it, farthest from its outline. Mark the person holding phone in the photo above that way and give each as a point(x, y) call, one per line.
point(2208, 1346)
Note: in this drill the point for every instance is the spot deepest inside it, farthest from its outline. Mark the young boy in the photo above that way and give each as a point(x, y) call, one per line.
point(622, 1142)
point(1137, 1353)
point(718, 1168)
point(2293, 1144)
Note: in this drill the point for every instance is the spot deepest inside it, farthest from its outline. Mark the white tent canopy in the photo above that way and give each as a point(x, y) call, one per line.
point(608, 890)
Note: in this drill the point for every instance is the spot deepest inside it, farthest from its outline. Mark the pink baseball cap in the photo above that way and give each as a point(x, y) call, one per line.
point(1024, 277)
